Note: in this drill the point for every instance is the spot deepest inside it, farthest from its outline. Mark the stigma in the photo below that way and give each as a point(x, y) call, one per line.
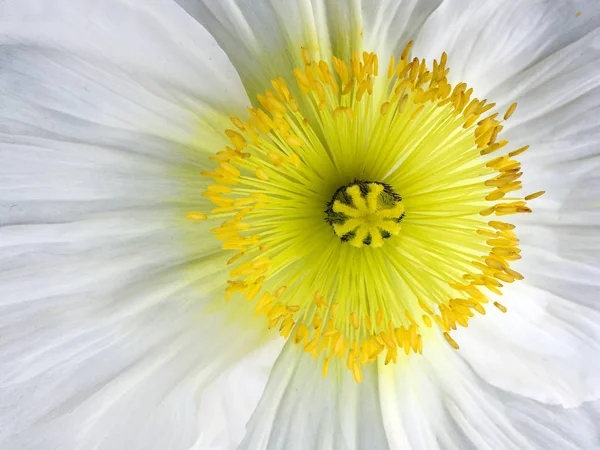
point(365, 213)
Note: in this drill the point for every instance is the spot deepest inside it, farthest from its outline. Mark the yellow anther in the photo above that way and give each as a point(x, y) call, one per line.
point(500, 306)
point(368, 324)
point(303, 81)
point(425, 308)
point(519, 151)
point(236, 139)
point(509, 112)
point(294, 141)
point(238, 123)
point(325, 367)
point(261, 174)
point(406, 51)
point(196, 216)
point(385, 107)
point(235, 258)
point(427, 320)
point(301, 333)
point(513, 273)
point(316, 321)
point(451, 341)
point(279, 292)
point(305, 56)
point(354, 320)
point(535, 195)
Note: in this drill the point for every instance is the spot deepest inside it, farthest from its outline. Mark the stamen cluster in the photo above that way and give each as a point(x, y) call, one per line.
point(291, 173)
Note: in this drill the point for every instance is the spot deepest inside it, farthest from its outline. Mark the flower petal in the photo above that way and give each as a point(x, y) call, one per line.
point(547, 346)
point(106, 117)
point(390, 24)
point(436, 401)
point(229, 401)
point(489, 42)
point(152, 46)
point(263, 39)
point(300, 409)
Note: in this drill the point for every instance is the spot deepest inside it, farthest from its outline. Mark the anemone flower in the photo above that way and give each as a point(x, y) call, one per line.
point(299, 224)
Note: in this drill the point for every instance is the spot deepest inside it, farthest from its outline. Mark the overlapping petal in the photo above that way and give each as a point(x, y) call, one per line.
point(300, 409)
point(107, 116)
point(438, 401)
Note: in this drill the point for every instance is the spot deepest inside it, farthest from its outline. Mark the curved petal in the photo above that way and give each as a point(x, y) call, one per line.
point(436, 401)
point(263, 39)
point(390, 24)
point(107, 113)
point(300, 409)
point(547, 346)
point(229, 401)
point(489, 42)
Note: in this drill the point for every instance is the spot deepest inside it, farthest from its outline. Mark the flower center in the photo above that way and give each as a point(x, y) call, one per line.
point(376, 135)
point(365, 213)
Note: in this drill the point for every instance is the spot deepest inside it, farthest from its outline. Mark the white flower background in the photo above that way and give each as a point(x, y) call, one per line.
point(108, 112)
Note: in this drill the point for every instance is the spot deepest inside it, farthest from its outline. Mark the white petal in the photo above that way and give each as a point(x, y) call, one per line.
point(229, 401)
point(435, 401)
point(547, 346)
point(155, 45)
point(263, 39)
point(390, 24)
point(106, 116)
point(557, 116)
point(300, 409)
point(547, 58)
point(488, 42)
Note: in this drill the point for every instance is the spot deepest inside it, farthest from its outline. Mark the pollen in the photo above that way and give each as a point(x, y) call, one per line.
point(363, 207)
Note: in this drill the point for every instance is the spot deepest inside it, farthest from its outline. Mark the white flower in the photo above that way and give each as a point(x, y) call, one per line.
point(114, 330)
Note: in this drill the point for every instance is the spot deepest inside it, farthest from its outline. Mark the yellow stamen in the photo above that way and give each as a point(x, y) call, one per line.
point(363, 202)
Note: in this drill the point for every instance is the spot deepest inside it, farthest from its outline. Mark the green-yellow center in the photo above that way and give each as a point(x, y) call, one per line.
point(310, 187)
